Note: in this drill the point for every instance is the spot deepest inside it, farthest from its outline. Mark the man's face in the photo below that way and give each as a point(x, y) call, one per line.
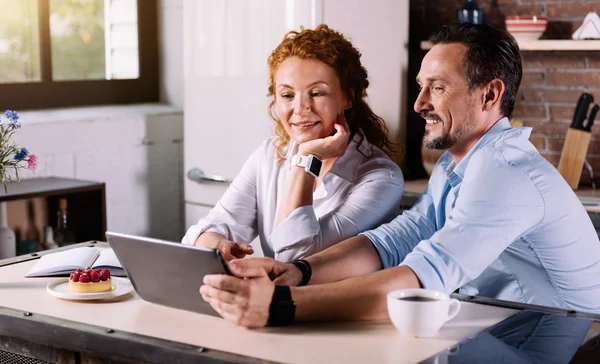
point(444, 101)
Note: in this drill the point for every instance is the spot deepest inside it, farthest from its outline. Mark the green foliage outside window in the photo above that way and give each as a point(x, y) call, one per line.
point(77, 40)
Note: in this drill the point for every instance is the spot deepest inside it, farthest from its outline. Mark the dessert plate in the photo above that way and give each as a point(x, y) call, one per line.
point(60, 289)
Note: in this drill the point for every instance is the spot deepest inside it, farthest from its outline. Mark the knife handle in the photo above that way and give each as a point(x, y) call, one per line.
point(581, 110)
point(592, 117)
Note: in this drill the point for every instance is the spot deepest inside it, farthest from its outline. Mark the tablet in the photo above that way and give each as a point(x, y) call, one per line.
point(167, 273)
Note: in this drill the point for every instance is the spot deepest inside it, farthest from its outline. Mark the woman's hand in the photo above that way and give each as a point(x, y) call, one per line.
point(332, 146)
point(233, 250)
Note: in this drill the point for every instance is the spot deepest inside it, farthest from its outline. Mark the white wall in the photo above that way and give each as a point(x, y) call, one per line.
point(379, 29)
point(135, 149)
point(170, 41)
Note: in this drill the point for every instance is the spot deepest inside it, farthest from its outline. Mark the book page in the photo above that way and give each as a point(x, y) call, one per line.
point(63, 262)
point(106, 259)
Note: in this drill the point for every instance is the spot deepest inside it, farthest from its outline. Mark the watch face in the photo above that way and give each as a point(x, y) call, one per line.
point(315, 166)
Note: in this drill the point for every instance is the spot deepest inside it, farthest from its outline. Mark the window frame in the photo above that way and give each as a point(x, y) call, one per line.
point(51, 94)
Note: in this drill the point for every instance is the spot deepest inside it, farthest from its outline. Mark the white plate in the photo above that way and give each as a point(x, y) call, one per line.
point(60, 289)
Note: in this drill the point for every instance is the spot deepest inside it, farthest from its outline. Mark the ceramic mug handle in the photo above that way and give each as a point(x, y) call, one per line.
point(454, 307)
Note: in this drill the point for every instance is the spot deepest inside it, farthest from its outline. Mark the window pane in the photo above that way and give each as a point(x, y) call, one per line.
point(122, 39)
point(19, 41)
point(94, 39)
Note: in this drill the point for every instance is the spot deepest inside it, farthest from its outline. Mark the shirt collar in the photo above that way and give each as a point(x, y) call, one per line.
point(456, 172)
point(345, 166)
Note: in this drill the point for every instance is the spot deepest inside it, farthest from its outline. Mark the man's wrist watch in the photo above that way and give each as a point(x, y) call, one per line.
point(282, 310)
point(312, 164)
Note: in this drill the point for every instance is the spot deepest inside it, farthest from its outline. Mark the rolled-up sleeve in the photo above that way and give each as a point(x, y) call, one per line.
point(497, 204)
point(394, 240)
point(372, 200)
point(234, 216)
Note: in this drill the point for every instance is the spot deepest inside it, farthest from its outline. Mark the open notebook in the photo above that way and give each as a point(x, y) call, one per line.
point(64, 262)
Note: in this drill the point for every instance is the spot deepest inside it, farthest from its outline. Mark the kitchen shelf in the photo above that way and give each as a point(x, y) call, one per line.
point(86, 202)
point(549, 45)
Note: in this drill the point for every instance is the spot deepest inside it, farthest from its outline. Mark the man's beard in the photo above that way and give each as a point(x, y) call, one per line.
point(442, 142)
point(448, 139)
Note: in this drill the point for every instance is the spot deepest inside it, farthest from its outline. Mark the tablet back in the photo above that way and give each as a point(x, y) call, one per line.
point(167, 273)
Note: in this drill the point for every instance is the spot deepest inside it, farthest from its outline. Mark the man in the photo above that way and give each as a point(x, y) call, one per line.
point(496, 219)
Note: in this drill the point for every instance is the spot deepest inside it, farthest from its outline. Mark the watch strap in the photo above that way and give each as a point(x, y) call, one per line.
point(311, 163)
point(282, 310)
point(306, 270)
point(300, 160)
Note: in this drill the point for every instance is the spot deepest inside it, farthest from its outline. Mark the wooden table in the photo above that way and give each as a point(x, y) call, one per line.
point(36, 324)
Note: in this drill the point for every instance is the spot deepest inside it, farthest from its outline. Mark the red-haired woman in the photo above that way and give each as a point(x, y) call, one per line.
point(325, 176)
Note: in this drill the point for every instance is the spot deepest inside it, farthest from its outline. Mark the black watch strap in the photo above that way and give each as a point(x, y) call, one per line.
point(282, 310)
point(306, 270)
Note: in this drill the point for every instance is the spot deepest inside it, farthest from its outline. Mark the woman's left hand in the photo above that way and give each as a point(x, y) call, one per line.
point(245, 297)
point(329, 147)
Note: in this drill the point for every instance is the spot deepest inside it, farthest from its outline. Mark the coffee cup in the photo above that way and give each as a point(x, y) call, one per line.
point(420, 312)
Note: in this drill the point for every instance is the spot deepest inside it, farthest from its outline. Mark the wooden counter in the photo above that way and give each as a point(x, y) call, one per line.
point(130, 329)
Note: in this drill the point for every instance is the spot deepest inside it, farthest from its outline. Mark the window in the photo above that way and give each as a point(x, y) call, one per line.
point(56, 53)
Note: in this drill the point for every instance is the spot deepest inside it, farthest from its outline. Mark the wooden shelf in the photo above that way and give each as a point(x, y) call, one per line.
point(86, 203)
point(549, 45)
point(46, 186)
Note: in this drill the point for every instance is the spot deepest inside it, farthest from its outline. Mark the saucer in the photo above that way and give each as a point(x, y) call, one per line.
point(60, 289)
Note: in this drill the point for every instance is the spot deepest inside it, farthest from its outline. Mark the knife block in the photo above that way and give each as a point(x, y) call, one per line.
point(573, 155)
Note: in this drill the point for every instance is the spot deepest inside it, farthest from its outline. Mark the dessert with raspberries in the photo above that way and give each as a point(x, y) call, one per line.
point(90, 281)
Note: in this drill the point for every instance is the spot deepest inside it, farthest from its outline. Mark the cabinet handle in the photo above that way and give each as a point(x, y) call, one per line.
point(197, 175)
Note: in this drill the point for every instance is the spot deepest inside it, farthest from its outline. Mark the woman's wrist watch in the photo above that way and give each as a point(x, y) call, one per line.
point(312, 164)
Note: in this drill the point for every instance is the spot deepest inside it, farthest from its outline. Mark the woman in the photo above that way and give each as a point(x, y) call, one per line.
point(324, 177)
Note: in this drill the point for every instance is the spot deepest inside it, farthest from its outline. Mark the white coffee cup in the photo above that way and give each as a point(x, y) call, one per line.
point(420, 312)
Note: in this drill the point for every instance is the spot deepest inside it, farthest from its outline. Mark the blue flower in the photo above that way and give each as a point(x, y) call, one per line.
point(14, 125)
point(13, 119)
point(21, 154)
point(12, 115)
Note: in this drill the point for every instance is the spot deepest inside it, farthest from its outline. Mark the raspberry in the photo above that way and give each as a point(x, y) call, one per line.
point(95, 277)
point(84, 278)
point(74, 277)
point(79, 271)
point(88, 271)
point(104, 274)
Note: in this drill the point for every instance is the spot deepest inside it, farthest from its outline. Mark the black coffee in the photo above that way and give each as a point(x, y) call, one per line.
point(418, 299)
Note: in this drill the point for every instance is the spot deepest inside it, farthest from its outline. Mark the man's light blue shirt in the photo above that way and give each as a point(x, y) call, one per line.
point(502, 223)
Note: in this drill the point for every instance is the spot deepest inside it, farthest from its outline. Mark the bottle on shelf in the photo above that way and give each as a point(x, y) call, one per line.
point(8, 242)
point(63, 235)
point(49, 242)
point(30, 242)
point(470, 13)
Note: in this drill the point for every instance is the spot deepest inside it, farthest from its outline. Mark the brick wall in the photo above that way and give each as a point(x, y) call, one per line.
point(552, 81)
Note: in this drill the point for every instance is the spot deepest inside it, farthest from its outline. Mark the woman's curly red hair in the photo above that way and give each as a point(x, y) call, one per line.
point(333, 49)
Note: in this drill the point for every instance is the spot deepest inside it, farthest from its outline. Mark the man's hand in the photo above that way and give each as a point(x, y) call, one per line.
point(283, 274)
point(288, 275)
point(245, 297)
point(234, 250)
point(332, 146)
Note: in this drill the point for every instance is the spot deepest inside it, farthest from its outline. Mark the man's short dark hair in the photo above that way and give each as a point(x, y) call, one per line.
point(493, 53)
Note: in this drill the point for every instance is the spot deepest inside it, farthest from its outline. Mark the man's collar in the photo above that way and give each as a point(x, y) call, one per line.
point(456, 172)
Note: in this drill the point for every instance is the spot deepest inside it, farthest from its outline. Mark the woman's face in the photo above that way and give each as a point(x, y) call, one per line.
point(308, 98)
